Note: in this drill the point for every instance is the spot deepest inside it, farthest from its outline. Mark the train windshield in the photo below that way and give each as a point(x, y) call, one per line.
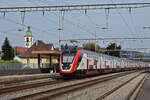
point(68, 58)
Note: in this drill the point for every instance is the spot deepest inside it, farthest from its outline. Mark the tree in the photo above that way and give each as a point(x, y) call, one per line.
point(113, 50)
point(64, 46)
point(7, 51)
point(139, 56)
point(92, 47)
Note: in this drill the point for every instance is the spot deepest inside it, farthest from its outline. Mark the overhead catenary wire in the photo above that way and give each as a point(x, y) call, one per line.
point(79, 25)
point(127, 25)
point(82, 27)
point(62, 14)
point(132, 21)
point(123, 19)
point(34, 28)
point(76, 17)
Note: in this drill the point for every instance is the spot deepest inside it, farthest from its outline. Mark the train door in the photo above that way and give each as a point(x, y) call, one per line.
point(102, 63)
point(84, 62)
point(111, 64)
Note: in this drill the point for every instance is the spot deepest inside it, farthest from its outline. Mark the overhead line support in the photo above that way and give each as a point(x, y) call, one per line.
point(107, 39)
point(75, 7)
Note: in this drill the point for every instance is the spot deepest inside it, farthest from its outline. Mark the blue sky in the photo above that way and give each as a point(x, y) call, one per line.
point(77, 24)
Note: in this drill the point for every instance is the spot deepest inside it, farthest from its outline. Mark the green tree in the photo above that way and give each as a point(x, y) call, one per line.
point(64, 46)
point(92, 47)
point(7, 50)
point(139, 56)
point(123, 55)
point(113, 50)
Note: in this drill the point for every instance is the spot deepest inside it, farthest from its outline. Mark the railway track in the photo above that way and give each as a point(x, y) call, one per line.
point(135, 91)
point(131, 95)
point(60, 90)
point(25, 85)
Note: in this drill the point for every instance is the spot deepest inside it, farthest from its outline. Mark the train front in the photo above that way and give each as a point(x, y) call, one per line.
point(69, 62)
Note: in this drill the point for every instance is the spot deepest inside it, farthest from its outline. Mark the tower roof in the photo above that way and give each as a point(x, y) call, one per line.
point(28, 32)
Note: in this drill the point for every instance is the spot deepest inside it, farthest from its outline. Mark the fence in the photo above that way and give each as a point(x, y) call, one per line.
point(32, 68)
point(17, 68)
point(10, 66)
point(19, 71)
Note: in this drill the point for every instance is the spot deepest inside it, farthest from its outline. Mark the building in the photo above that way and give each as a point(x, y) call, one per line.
point(28, 38)
point(20, 50)
point(31, 59)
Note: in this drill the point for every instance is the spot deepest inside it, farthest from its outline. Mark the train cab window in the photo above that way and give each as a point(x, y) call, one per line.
point(68, 57)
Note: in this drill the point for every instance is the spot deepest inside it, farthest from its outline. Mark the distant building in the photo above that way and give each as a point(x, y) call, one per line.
point(31, 59)
point(28, 38)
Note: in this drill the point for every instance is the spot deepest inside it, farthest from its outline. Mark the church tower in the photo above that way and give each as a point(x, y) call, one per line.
point(28, 38)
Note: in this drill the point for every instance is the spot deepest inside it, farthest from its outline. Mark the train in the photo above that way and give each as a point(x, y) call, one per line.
point(81, 63)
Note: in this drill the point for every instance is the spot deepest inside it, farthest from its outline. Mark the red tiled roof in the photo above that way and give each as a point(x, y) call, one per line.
point(20, 50)
point(37, 46)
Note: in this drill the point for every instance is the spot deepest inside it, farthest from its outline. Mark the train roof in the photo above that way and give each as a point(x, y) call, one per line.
point(74, 50)
point(103, 55)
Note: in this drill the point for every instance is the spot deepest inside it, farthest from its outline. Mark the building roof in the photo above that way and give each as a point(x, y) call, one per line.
point(51, 52)
point(20, 50)
point(37, 46)
point(28, 32)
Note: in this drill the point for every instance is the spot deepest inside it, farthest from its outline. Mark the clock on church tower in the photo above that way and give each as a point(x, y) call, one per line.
point(28, 38)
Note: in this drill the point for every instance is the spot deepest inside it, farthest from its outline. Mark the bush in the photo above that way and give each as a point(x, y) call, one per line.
point(9, 61)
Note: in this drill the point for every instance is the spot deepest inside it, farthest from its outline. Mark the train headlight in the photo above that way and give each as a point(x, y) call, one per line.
point(70, 65)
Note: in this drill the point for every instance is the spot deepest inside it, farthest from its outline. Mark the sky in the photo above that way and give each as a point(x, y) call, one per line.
point(77, 24)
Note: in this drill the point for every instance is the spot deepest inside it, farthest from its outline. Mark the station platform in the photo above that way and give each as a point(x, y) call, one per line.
point(17, 78)
point(144, 92)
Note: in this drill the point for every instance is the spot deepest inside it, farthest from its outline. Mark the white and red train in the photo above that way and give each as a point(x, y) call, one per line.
point(83, 63)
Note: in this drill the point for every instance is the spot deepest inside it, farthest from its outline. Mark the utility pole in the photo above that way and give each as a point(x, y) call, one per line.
point(95, 41)
point(59, 41)
point(61, 26)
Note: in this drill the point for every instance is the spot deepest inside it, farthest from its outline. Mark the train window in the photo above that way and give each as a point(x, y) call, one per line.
point(107, 66)
point(90, 66)
point(68, 58)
